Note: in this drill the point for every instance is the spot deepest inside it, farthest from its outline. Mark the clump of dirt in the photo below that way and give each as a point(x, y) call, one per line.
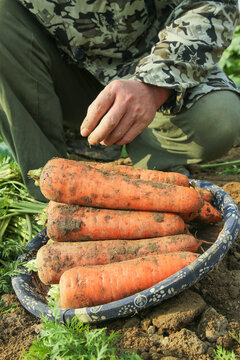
point(233, 188)
point(185, 327)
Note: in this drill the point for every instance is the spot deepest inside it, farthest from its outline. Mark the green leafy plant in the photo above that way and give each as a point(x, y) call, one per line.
point(230, 171)
point(221, 353)
point(230, 61)
point(235, 335)
point(31, 265)
point(18, 219)
point(74, 341)
point(230, 167)
point(8, 269)
point(53, 295)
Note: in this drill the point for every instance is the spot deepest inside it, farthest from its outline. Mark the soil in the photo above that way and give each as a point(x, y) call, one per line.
point(185, 327)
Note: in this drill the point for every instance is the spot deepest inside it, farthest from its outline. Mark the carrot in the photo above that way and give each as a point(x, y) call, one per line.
point(207, 214)
point(67, 222)
point(152, 175)
point(206, 194)
point(72, 182)
point(190, 216)
point(53, 259)
point(85, 286)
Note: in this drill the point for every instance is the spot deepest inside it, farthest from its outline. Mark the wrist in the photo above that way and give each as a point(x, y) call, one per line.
point(160, 95)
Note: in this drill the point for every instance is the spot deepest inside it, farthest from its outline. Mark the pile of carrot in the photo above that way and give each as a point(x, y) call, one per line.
point(116, 230)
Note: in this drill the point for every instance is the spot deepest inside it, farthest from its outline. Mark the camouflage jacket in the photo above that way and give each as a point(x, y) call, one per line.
point(170, 43)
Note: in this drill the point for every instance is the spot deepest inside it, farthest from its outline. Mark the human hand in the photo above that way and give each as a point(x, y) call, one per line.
point(122, 110)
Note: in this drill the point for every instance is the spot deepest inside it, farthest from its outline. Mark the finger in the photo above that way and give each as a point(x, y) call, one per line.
point(120, 130)
point(96, 110)
point(134, 131)
point(107, 124)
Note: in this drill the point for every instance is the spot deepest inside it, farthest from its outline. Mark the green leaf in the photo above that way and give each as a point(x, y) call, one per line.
point(18, 222)
point(230, 60)
point(221, 353)
point(73, 341)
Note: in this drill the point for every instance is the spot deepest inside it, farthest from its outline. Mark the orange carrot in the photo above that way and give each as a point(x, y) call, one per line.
point(85, 286)
point(206, 194)
point(189, 217)
point(53, 259)
point(207, 214)
point(72, 182)
point(68, 222)
point(152, 175)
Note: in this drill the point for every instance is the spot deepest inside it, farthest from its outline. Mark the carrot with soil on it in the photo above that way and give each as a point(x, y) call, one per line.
point(208, 214)
point(72, 182)
point(54, 258)
point(143, 174)
point(67, 222)
point(85, 286)
point(206, 194)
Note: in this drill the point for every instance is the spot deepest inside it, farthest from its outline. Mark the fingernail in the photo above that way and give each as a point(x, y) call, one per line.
point(84, 132)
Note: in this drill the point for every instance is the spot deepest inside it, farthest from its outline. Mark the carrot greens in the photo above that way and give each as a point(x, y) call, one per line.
point(74, 341)
point(18, 219)
point(229, 167)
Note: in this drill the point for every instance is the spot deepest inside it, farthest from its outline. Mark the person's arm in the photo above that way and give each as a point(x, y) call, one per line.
point(189, 46)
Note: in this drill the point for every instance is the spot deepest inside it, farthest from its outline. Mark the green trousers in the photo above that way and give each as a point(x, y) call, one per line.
point(41, 95)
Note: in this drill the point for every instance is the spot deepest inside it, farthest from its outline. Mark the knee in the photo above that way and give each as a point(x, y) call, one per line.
point(217, 123)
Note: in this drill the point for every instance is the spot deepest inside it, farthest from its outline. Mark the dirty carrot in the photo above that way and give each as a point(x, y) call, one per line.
point(67, 222)
point(143, 174)
point(205, 193)
point(72, 182)
point(85, 286)
point(54, 258)
point(207, 214)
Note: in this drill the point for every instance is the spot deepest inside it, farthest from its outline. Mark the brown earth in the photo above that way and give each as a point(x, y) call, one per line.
point(185, 327)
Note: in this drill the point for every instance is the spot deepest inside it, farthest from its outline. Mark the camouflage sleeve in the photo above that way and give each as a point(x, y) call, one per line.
point(189, 46)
